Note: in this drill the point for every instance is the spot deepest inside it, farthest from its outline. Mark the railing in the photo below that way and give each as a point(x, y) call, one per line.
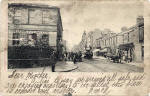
point(27, 56)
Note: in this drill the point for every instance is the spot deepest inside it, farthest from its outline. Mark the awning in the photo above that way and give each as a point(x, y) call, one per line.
point(126, 46)
point(96, 50)
point(104, 50)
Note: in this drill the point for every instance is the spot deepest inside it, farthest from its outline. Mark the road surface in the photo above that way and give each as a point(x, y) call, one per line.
point(101, 64)
point(97, 64)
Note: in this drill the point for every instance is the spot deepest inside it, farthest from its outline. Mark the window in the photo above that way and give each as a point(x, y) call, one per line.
point(46, 17)
point(32, 39)
point(20, 16)
point(45, 39)
point(128, 38)
point(35, 16)
point(16, 37)
point(17, 17)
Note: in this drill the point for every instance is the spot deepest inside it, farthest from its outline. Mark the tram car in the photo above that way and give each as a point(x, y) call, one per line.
point(88, 54)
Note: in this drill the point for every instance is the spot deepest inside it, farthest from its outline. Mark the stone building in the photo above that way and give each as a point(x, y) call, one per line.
point(33, 25)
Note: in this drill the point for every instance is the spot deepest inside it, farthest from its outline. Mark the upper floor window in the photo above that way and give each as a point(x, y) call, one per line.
point(49, 17)
point(128, 37)
point(45, 17)
point(17, 16)
point(35, 16)
point(20, 16)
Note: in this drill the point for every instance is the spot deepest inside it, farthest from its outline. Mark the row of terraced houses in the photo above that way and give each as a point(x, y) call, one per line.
point(130, 40)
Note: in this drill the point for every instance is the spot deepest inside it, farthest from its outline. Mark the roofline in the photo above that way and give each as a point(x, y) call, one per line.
point(60, 19)
point(31, 5)
point(28, 5)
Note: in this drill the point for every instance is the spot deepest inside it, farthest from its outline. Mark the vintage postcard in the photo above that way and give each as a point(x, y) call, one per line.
point(74, 48)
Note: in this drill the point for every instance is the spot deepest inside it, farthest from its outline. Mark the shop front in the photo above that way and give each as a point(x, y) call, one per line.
point(127, 51)
point(103, 52)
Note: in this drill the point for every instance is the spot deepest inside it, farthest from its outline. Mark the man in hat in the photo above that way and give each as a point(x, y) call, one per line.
point(54, 60)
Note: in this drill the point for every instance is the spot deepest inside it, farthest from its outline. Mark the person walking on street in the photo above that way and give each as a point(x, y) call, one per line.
point(74, 58)
point(120, 54)
point(69, 56)
point(54, 61)
point(80, 56)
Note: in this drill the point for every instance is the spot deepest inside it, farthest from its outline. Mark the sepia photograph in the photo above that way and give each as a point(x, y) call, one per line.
point(76, 37)
point(74, 48)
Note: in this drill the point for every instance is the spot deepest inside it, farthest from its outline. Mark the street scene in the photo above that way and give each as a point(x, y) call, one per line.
point(57, 39)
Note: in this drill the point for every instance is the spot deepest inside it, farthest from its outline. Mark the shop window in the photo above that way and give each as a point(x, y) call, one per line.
point(45, 39)
point(32, 39)
point(16, 37)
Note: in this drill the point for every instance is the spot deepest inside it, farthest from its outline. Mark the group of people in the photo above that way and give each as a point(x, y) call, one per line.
point(66, 56)
point(121, 55)
point(72, 56)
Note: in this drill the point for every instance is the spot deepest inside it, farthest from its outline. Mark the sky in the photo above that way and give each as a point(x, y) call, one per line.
point(87, 15)
point(84, 15)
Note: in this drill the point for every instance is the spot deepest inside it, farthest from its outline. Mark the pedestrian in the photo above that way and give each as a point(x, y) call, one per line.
point(119, 55)
point(66, 56)
point(74, 58)
point(80, 56)
point(54, 61)
point(69, 56)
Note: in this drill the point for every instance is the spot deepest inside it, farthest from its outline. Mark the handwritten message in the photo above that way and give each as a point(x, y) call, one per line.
point(44, 83)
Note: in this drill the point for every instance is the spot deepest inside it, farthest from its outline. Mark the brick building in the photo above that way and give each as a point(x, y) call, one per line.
point(33, 25)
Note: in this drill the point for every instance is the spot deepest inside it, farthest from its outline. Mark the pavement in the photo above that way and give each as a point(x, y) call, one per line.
point(138, 64)
point(61, 66)
point(97, 64)
point(65, 66)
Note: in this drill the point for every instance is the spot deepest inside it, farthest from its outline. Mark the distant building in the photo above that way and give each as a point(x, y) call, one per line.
point(34, 25)
point(83, 44)
point(92, 36)
point(130, 40)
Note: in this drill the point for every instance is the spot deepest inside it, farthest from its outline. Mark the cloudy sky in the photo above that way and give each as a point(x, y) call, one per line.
point(78, 16)
point(85, 15)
